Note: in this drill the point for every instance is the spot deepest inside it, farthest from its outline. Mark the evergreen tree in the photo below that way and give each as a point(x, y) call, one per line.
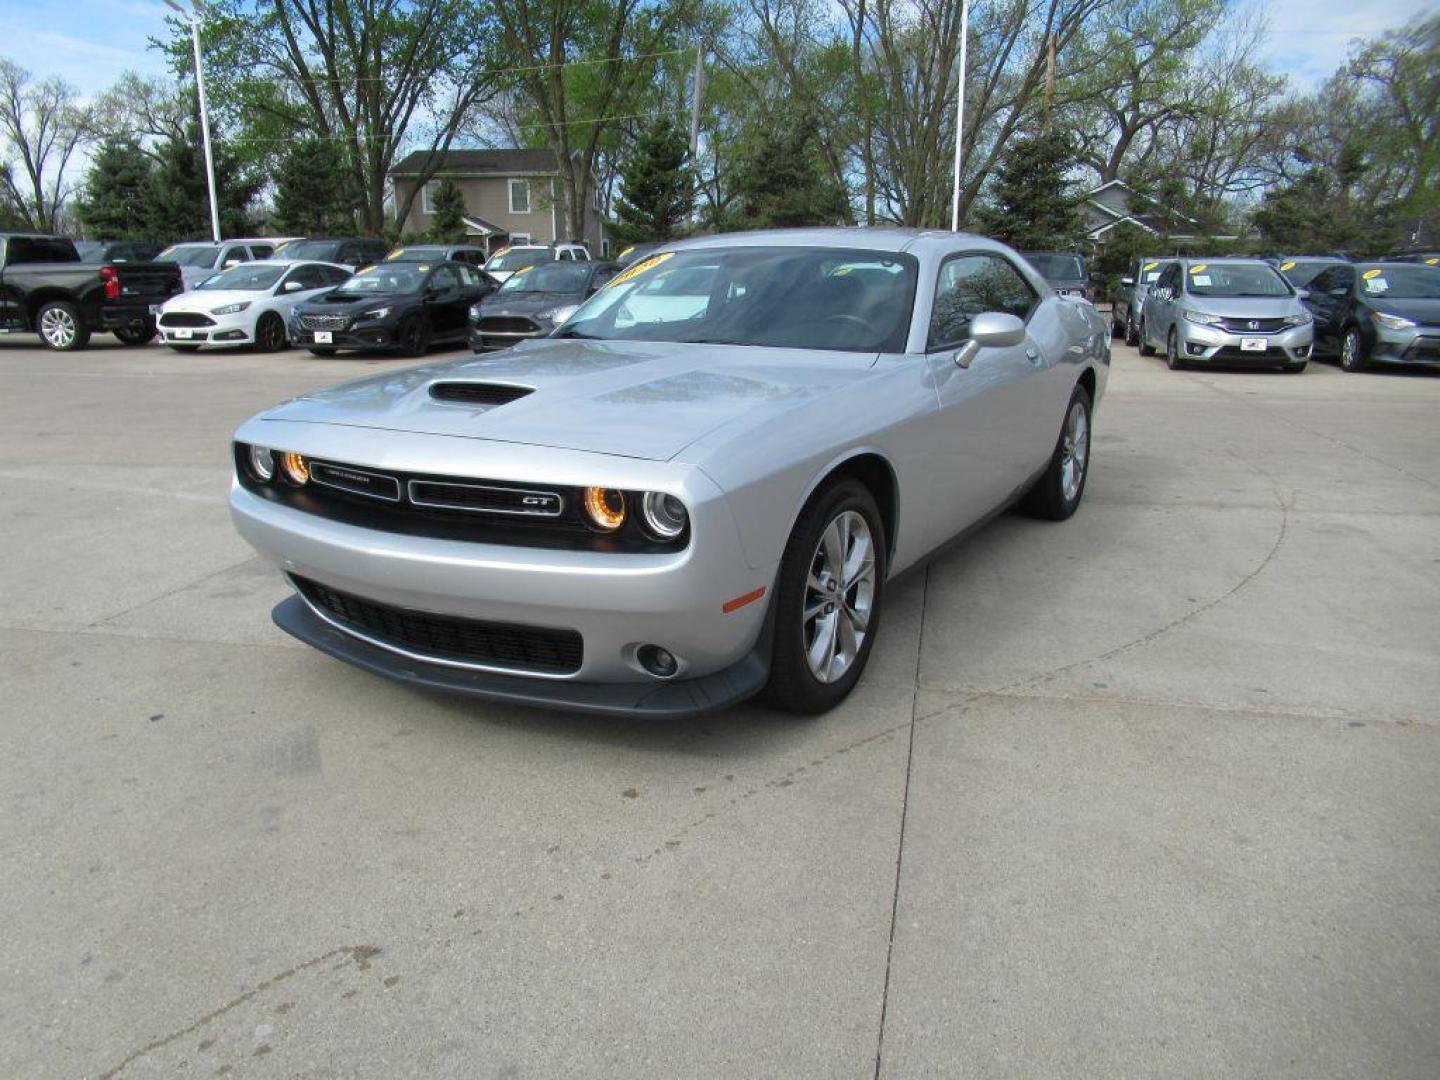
point(448, 224)
point(781, 180)
point(314, 190)
point(115, 204)
point(1032, 206)
point(179, 204)
point(658, 190)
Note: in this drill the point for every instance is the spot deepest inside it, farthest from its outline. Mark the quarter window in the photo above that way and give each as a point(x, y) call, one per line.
point(519, 196)
point(970, 285)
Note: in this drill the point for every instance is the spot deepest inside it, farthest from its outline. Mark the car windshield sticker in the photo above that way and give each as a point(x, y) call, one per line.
point(396, 253)
point(1375, 284)
point(627, 251)
point(1432, 262)
point(841, 271)
point(522, 270)
point(639, 268)
point(1203, 280)
point(1369, 274)
point(1198, 268)
point(1288, 264)
point(367, 270)
point(1150, 265)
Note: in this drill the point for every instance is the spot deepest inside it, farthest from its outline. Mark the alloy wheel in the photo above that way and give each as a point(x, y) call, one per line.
point(1350, 351)
point(57, 327)
point(838, 596)
point(1074, 451)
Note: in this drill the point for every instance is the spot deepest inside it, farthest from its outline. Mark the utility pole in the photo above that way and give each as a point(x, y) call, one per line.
point(193, 17)
point(960, 114)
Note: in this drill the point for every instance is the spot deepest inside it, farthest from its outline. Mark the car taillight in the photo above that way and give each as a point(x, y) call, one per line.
point(111, 279)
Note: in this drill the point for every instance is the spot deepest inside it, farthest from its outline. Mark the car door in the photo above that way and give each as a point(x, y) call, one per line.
point(311, 280)
point(445, 301)
point(992, 420)
point(1159, 305)
point(474, 286)
point(1329, 302)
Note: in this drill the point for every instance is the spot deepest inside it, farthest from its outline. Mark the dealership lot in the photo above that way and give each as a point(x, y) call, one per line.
point(1161, 781)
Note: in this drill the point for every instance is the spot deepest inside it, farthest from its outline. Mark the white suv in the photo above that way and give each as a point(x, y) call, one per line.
point(519, 256)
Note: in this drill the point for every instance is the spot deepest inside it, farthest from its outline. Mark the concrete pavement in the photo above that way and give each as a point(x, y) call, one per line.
point(1151, 793)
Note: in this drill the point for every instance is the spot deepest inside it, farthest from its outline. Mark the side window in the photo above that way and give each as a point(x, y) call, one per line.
point(334, 275)
point(602, 274)
point(262, 251)
point(349, 253)
point(468, 275)
point(582, 255)
point(309, 277)
point(1344, 278)
point(235, 254)
point(1324, 281)
point(445, 277)
point(1169, 278)
point(970, 285)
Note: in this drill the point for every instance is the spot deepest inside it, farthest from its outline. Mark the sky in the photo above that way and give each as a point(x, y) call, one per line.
point(90, 42)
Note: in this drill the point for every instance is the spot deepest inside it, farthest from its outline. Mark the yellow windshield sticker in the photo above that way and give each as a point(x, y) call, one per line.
point(627, 251)
point(1151, 265)
point(841, 271)
point(1288, 264)
point(639, 268)
point(1432, 262)
point(1198, 268)
point(1369, 274)
point(396, 253)
point(522, 270)
point(502, 251)
point(367, 270)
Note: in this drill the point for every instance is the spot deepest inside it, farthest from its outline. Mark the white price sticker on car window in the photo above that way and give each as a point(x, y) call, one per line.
point(1376, 284)
point(1203, 280)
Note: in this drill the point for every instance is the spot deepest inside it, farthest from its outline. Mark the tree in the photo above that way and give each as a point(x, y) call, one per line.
point(657, 189)
point(314, 190)
point(178, 197)
point(448, 224)
point(116, 200)
point(42, 125)
point(1031, 203)
point(782, 180)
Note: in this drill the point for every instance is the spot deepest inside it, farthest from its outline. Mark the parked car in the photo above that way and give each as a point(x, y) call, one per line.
point(1225, 311)
point(1130, 297)
point(198, 260)
point(248, 304)
point(518, 256)
point(407, 307)
point(635, 252)
point(1300, 270)
point(1064, 270)
point(45, 289)
point(662, 517)
point(94, 251)
point(433, 253)
point(1428, 258)
point(1386, 312)
point(356, 252)
point(533, 301)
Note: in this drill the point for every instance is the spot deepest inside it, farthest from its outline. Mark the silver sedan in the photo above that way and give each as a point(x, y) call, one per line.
point(697, 488)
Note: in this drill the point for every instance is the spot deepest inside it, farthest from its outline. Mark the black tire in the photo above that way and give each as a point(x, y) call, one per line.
point(1172, 352)
point(183, 348)
point(61, 327)
point(793, 686)
point(137, 335)
point(270, 333)
point(1353, 354)
point(1116, 330)
point(1048, 499)
point(413, 335)
point(1131, 337)
point(1146, 349)
point(321, 350)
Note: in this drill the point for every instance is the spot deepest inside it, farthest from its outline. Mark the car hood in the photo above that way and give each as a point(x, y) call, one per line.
point(627, 398)
point(330, 304)
point(209, 299)
point(527, 303)
point(1425, 312)
point(1244, 307)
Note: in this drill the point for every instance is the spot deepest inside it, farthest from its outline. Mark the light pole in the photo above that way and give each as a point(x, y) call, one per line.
point(193, 18)
point(959, 112)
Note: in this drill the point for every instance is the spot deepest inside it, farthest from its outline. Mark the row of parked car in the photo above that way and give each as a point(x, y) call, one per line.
point(1281, 312)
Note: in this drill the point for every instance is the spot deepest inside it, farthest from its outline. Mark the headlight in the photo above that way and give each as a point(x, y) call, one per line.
point(664, 515)
point(604, 508)
point(1201, 318)
point(1302, 319)
point(297, 469)
point(375, 313)
point(1392, 322)
point(230, 309)
point(261, 460)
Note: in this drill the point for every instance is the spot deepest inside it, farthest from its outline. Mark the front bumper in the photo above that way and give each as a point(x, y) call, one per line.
point(223, 332)
point(1416, 347)
point(494, 340)
point(373, 335)
point(1211, 344)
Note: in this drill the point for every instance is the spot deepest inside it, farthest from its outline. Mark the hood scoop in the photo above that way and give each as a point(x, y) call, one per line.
point(479, 393)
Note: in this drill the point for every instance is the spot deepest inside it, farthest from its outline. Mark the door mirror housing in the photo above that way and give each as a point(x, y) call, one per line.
point(292, 286)
point(230, 263)
point(1127, 281)
point(996, 329)
point(1303, 294)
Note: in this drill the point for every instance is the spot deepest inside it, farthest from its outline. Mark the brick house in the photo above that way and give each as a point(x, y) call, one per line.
point(511, 197)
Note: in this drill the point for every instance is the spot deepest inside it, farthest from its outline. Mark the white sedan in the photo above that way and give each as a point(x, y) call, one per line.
point(245, 305)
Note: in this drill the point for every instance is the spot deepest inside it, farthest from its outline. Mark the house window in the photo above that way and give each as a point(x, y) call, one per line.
point(427, 196)
point(519, 196)
point(520, 238)
point(605, 248)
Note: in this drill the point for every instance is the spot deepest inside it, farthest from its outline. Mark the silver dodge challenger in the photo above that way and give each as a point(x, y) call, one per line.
point(697, 488)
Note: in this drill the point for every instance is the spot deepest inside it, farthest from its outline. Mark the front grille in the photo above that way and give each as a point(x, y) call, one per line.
point(478, 393)
point(1261, 326)
point(509, 325)
point(482, 498)
point(1232, 354)
point(185, 318)
point(324, 322)
point(493, 644)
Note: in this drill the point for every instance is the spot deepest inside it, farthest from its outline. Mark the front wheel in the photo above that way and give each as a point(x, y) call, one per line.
point(1172, 352)
point(413, 336)
point(1146, 349)
point(1132, 337)
point(1352, 350)
point(270, 333)
point(828, 596)
point(61, 326)
point(137, 334)
point(1057, 493)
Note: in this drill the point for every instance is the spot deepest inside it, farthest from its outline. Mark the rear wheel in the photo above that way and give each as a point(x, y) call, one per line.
point(270, 333)
point(138, 334)
point(1057, 493)
point(1146, 349)
point(1172, 351)
point(61, 327)
point(1352, 350)
point(828, 599)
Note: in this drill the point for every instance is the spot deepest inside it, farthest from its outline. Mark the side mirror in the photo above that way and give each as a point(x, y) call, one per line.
point(990, 330)
point(293, 286)
point(1127, 281)
point(230, 263)
point(1303, 294)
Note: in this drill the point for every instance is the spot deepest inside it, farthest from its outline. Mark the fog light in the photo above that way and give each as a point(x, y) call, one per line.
point(262, 463)
point(297, 469)
point(604, 508)
point(1193, 349)
point(657, 661)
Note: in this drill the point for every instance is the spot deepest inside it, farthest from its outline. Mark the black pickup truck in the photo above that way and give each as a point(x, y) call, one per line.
point(45, 289)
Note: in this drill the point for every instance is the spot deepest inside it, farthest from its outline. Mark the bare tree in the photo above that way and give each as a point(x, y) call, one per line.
point(41, 127)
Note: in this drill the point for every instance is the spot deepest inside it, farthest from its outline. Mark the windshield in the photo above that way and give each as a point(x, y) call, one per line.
point(1235, 279)
point(416, 254)
point(551, 277)
point(201, 255)
point(788, 297)
point(245, 278)
point(324, 250)
point(1401, 281)
point(1057, 266)
point(1300, 272)
point(519, 259)
point(386, 278)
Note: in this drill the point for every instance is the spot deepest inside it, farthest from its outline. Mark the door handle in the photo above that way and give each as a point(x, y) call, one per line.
point(1033, 353)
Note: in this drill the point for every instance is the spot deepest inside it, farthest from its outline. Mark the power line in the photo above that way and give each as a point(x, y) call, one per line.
point(498, 71)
